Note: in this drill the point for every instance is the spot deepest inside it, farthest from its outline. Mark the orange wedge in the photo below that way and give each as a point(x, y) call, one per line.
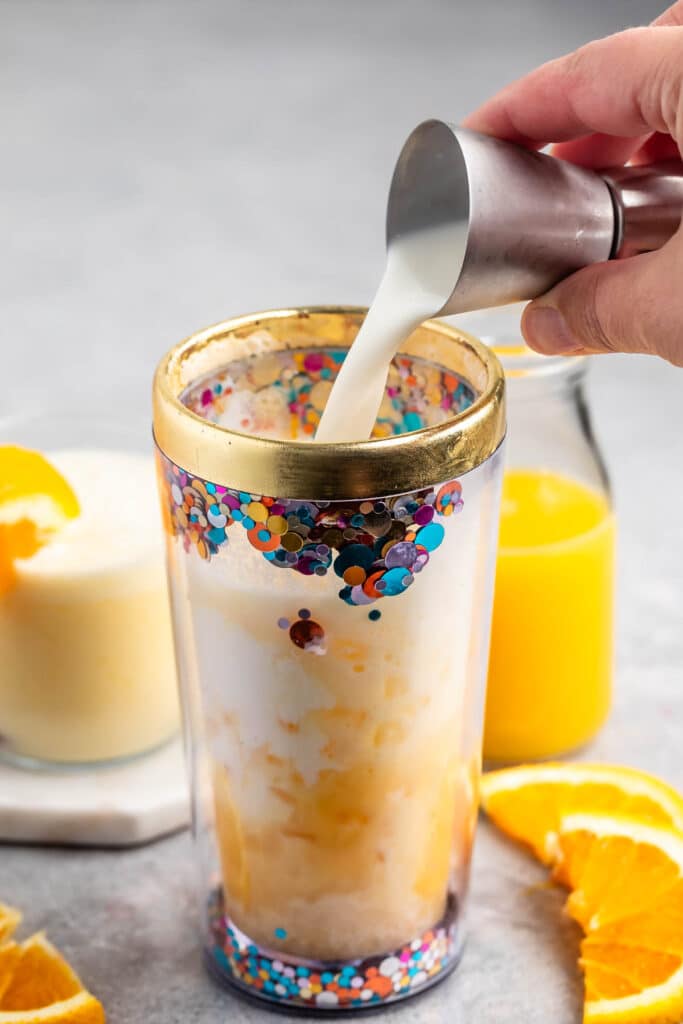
point(529, 802)
point(41, 977)
point(10, 919)
point(35, 499)
point(80, 1009)
point(37, 984)
point(627, 893)
point(10, 954)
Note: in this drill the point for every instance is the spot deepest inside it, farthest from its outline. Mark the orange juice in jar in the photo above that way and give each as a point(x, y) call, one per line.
point(551, 663)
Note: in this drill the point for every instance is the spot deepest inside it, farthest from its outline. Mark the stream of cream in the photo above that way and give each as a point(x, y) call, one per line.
point(417, 281)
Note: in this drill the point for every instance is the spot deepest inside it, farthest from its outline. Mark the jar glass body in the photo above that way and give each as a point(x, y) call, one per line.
point(551, 662)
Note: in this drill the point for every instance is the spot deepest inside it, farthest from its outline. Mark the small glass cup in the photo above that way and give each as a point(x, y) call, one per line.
point(87, 672)
point(551, 664)
point(331, 608)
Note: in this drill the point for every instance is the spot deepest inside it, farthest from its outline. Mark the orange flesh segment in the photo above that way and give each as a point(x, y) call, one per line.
point(10, 954)
point(27, 479)
point(41, 977)
point(82, 1008)
point(628, 897)
point(637, 965)
point(10, 919)
point(37, 985)
point(615, 837)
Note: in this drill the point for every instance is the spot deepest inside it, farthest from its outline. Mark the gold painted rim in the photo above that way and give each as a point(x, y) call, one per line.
point(328, 472)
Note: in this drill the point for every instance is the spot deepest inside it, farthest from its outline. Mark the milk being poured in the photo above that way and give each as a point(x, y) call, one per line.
point(417, 281)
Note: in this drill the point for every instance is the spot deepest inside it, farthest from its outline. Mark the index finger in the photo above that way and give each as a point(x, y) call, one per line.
point(628, 84)
point(672, 16)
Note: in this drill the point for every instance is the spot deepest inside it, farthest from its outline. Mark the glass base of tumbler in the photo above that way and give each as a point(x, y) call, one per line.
point(293, 984)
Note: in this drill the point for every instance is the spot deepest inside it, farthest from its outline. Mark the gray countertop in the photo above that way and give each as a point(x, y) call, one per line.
point(167, 164)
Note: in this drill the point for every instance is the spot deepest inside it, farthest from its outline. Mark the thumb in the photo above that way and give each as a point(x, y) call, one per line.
point(629, 305)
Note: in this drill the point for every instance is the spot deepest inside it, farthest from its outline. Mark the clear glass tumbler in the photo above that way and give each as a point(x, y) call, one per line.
point(331, 609)
point(550, 675)
point(87, 671)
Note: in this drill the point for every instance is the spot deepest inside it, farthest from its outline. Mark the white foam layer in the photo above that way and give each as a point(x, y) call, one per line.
point(119, 522)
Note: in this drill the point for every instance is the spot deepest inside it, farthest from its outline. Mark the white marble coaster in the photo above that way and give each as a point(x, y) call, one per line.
point(119, 805)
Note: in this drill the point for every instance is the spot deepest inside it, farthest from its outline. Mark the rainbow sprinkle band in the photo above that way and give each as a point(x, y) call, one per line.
point(303, 984)
point(375, 547)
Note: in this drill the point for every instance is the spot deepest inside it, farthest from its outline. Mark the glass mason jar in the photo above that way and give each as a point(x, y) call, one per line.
point(331, 608)
point(87, 672)
point(551, 663)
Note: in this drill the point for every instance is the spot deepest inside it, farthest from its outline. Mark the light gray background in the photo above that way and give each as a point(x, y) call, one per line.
point(165, 165)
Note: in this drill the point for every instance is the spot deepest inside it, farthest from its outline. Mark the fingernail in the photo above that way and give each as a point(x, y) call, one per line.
point(546, 330)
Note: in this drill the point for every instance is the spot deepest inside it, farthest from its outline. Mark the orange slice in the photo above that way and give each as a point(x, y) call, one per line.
point(41, 977)
point(529, 802)
point(10, 919)
point(80, 1009)
point(627, 882)
point(35, 499)
point(10, 954)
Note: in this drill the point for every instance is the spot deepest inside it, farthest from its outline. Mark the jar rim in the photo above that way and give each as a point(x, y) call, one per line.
point(301, 469)
point(521, 362)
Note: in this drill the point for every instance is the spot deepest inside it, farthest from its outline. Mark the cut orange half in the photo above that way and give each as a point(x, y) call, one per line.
point(627, 893)
point(41, 977)
point(37, 984)
point(529, 802)
point(35, 499)
point(80, 1009)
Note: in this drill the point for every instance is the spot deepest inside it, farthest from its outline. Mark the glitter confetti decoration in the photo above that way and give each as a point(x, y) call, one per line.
point(372, 981)
point(375, 547)
point(291, 387)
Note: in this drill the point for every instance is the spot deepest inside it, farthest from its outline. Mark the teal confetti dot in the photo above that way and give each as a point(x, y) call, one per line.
point(412, 421)
point(280, 933)
point(430, 536)
point(216, 535)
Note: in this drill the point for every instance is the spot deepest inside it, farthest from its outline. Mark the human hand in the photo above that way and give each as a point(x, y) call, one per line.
point(616, 100)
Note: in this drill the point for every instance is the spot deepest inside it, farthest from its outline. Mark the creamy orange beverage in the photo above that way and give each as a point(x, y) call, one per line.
point(86, 654)
point(331, 608)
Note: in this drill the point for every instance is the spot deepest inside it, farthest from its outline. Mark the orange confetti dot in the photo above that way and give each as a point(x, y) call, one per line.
point(369, 585)
point(381, 985)
point(354, 575)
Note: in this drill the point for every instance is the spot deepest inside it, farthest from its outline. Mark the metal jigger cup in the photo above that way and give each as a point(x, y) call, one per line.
point(527, 219)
